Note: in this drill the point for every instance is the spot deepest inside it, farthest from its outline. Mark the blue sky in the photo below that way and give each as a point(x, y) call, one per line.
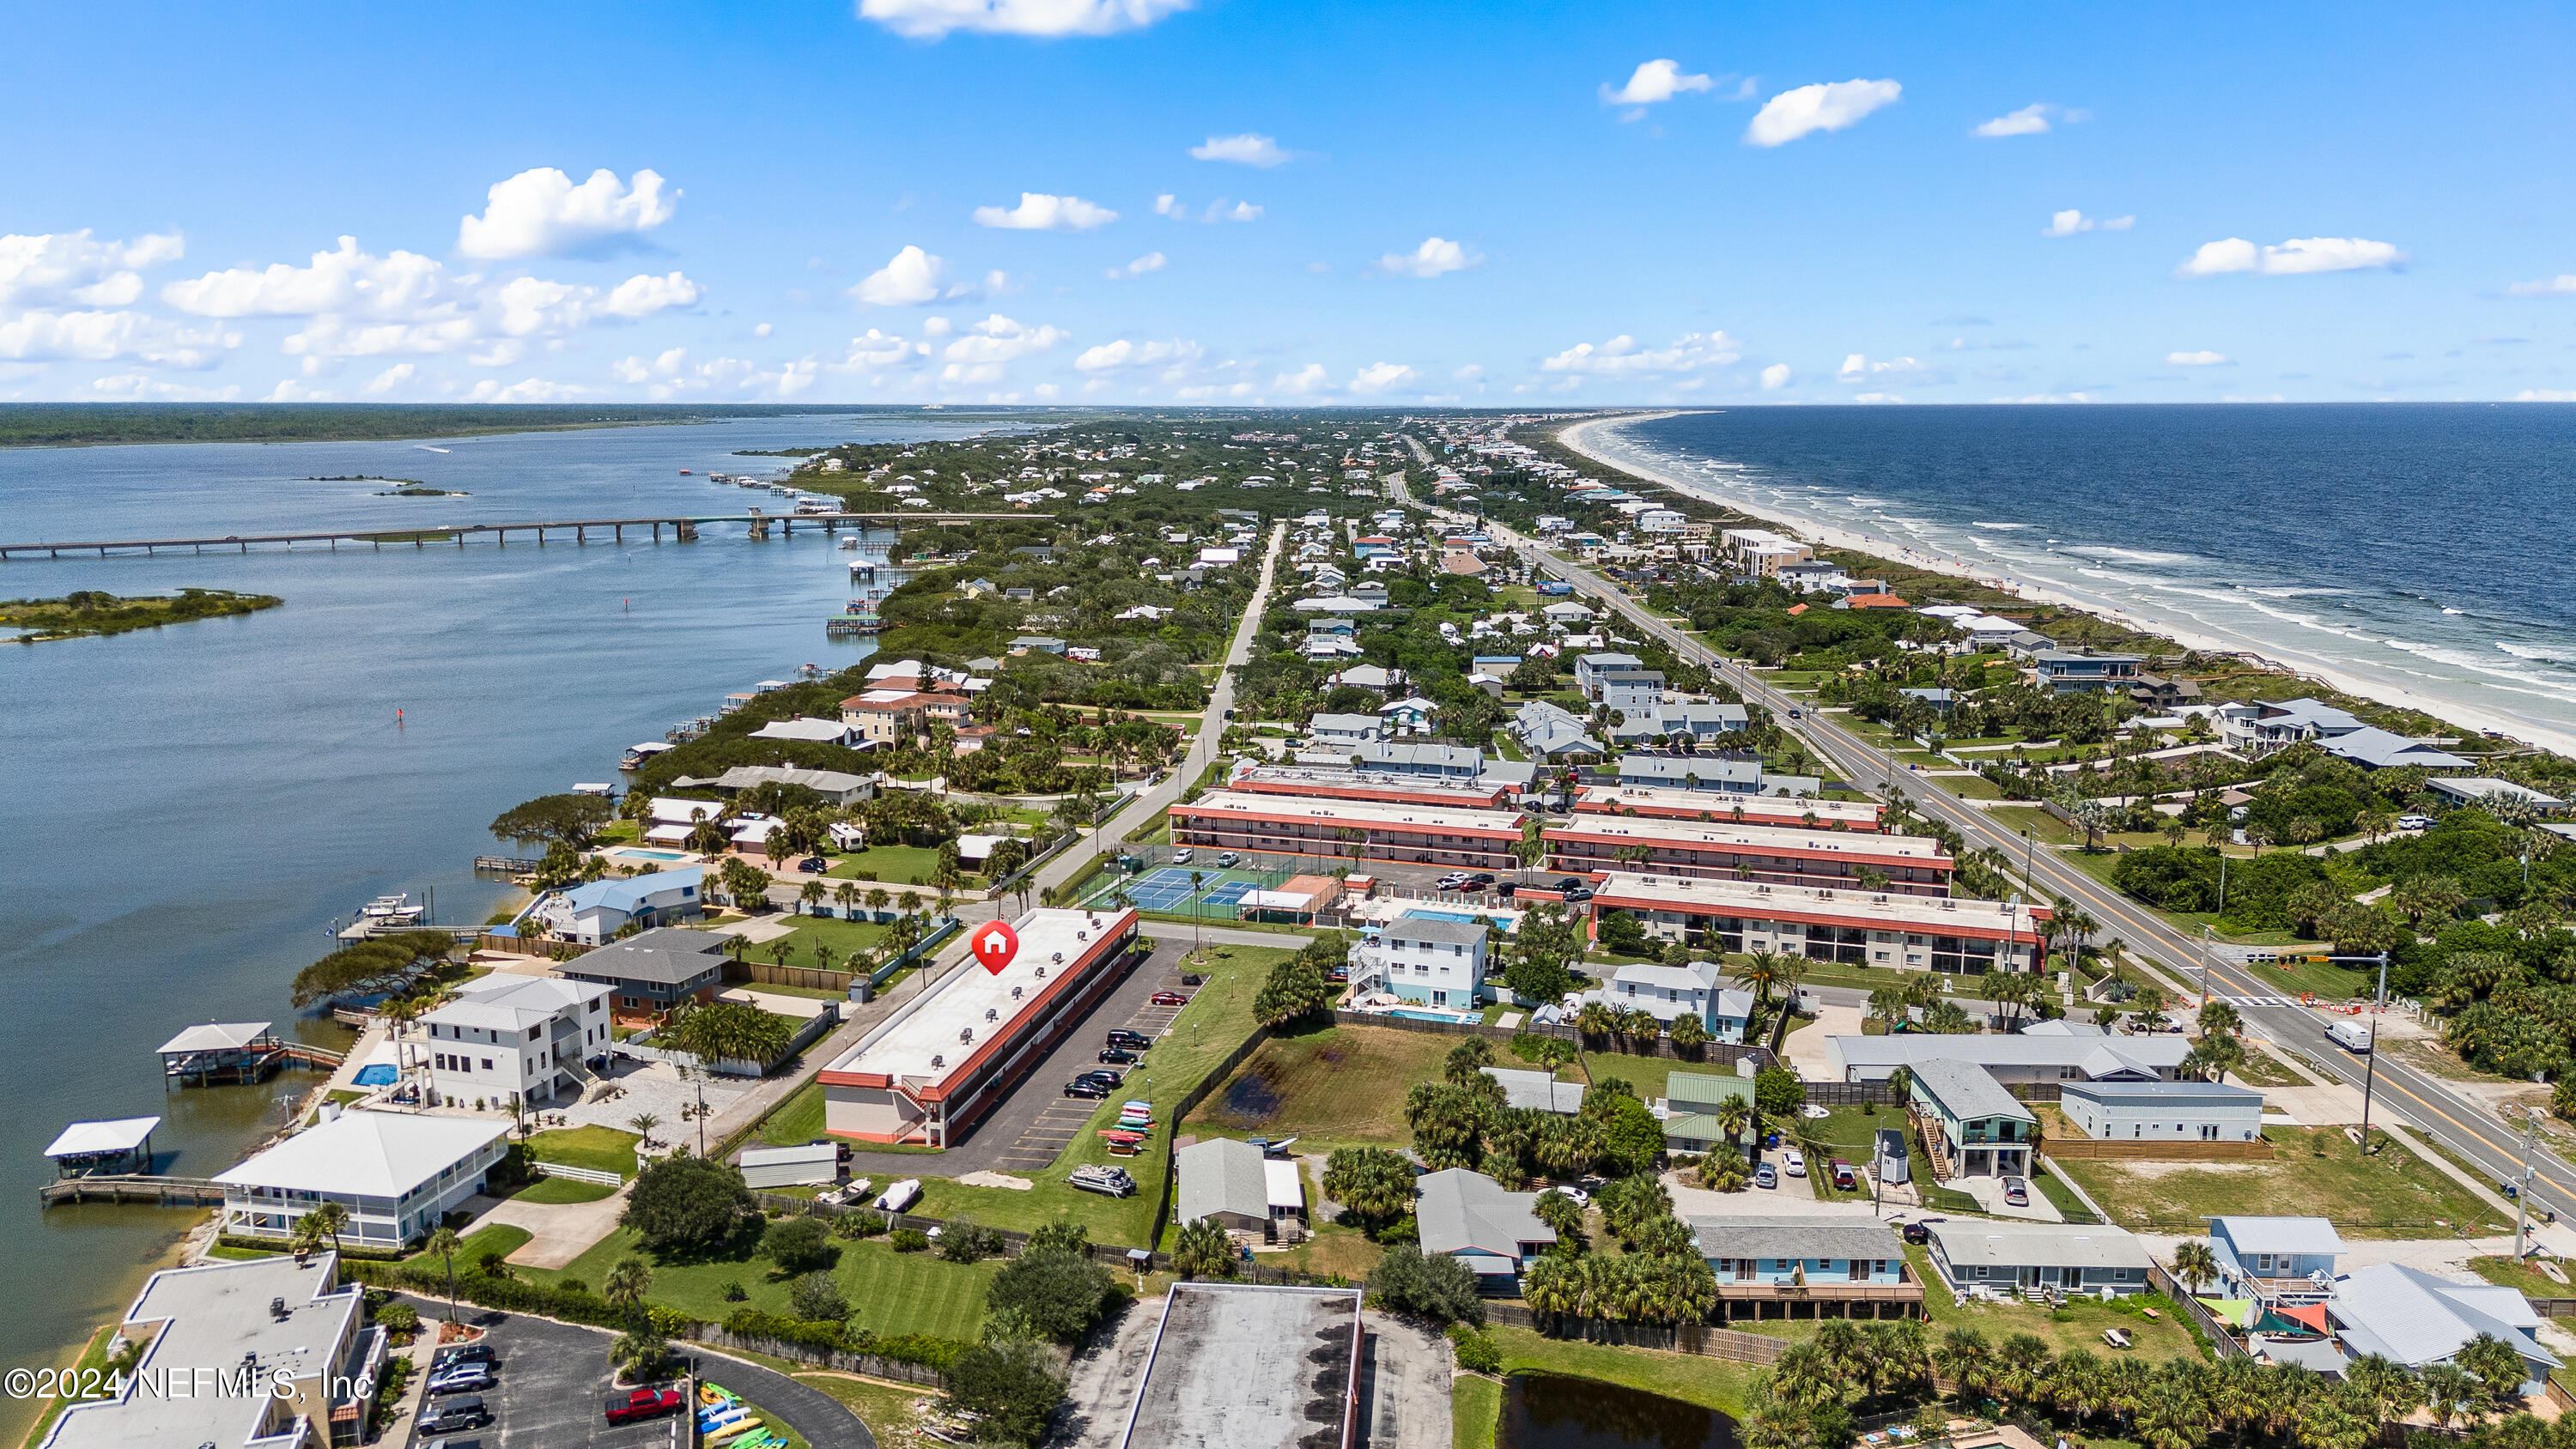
point(1261, 201)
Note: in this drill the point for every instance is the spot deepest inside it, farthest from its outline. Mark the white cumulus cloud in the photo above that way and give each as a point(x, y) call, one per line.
point(2072, 222)
point(1039, 211)
point(2296, 257)
point(1381, 376)
point(915, 278)
point(982, 351)
point(1654, 81)
point(393, 377)
point(529, 390)
point(1149, 262)
point(541, 213)
point(1109, 356)
point(73, 269)
point(1808, 109)
point(2558, 286)
point(1247, 149)
point(44, 336)
point(137, 386)
point(1691, 352)
point(2196, 359)
point(1217, 210)
point(2030, 120)
point(1434, 257)
point(934, 19)
point(1308, 379)
point(1858, 368)
point(1775, 377)
point(2544, 394)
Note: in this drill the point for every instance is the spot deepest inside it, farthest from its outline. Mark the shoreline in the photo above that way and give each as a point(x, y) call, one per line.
point(2288, 662)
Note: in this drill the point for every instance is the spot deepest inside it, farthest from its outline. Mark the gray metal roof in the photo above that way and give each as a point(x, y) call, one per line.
point(1435, 932)
point(1873, 1057)
point(663, 956)
point(1967, 1242)
point(2308, 1237)
point(1538, 1091)
point(1222, 1175)
point(1969, 1091)
point(1464, 1211)
point(1793, 1237)
point(2416, 1319)
point(2194, 1094)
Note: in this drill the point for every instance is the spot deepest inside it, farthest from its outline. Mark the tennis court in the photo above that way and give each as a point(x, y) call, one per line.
point(1169, 889)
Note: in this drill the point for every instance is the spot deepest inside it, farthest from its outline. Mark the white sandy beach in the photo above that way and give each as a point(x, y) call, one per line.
point(1597, 439)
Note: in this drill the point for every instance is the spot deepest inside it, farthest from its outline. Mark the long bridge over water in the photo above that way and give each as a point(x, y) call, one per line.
point(684, 528)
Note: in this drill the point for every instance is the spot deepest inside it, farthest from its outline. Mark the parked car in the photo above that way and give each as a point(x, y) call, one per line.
point(1182, 857)
point(1169, 998)
point(1228, 859)
point(1506, 890)
point(1795, 1162)
point(1846, 1176)
point(1454, 880)
point(1134, 1041)
point(1081, 1087)
point(449, 1358)
point(1576, 1195)
point(467, 1412)
point(1917, 1233)
point(2017, 1192)
point(1578, 895)
point(472, 1378)
point(1103, 1075)
point(1766, 1176)
point(813, 865)
point(1481, 880)
point(1118, 1056)
point(640, 1404)
point(2414, 822)
point(1569, 883)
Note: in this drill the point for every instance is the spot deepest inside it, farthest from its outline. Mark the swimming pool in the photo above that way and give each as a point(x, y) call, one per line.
point(1424, 913)
point(375, 1074)
point(1448, 1016)
point(631, 852)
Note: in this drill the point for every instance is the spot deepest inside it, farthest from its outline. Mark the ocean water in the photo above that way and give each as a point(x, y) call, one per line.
point(190, 810)
point(2407, 547)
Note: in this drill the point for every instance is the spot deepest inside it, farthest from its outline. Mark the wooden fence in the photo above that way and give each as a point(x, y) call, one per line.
point(2220, 1336)
point(1710, 1054)
point(1852, 1094)
point(809, 978)
point(2085, 1149)
point(1692, 1338)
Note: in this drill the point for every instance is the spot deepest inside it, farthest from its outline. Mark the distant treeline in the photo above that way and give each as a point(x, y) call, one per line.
point(43, 425)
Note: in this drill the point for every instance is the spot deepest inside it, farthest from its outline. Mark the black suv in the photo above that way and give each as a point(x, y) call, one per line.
point(1118, 1057)
point(462, 1353)
point(1481, 880)
point(1134, 1041)
point(1086, 1087)
point(463, 1412)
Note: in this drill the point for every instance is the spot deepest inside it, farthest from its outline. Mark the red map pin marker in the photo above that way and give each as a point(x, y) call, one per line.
point(995, 945)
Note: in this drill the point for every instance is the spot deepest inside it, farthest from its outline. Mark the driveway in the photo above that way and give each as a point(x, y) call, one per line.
point(1805, 1049)
point(1989, 1193)
point(558, 1232)
point(554, 1377)
point(1792, 1198)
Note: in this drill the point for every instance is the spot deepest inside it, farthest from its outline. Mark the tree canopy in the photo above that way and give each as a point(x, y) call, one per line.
point(369, 968)
point(570, 820)
point(683, 1205)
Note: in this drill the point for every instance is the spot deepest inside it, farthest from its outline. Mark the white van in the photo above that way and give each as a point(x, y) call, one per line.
point(2352, 1036)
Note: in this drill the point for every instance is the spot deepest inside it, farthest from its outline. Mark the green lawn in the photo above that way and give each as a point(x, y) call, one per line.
point(1475, 1412)
point(796, 1121)
point(562, 1190)
point(838, 936)
point(890, 1292)
point(498, 1238)
point(2393, 1194)
point(602, 1149)
point(1712, 1382)
point(885, 1408)
point(893, 865)
point(2078, 1325)
point(2510, 1274)
point(93, 1360)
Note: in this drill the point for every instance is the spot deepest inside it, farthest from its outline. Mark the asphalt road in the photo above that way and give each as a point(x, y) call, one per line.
point(2474, 1133)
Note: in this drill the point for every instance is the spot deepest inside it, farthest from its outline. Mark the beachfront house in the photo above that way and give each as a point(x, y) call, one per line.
point(651, 973)
point(291, 1324)
point(1974, 1126)
point(1425, 960)
point(523, 1039)
point(1988, 1254)
point(2078, 671)
point(394, 1173)
point(2276, 1261)
point(1468, 1216)
point(595, 911)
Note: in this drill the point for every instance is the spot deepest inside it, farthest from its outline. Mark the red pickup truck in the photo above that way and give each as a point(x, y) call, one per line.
point(642, 1404)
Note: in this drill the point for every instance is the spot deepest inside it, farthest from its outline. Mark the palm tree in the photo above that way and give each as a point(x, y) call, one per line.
point(1734, 1115)
point(442, 1244)
point(1595, 1020)
point(845, 895)
point(810, 895)
point(628, 1281)
point(1964, 1358)
point(644, 1123)
point(328, 1221)
point(1760, 973)
point(2195, 1264)
point(878, 900)
point(1689, 1035)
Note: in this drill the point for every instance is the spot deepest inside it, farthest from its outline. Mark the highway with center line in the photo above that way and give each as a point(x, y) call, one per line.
point(2491, 1147)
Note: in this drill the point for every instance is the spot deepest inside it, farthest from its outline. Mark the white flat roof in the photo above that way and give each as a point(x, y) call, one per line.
point(781, 1156)
point(1388, 815)
point(367, 1154)
point(1785, 839)
point(931, 1040)
point(1930, 915)
point(121, 1134)
point(1719, 803)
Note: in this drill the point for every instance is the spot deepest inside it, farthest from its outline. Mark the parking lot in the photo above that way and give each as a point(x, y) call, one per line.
point(553, 1380)
point(1026, 1131)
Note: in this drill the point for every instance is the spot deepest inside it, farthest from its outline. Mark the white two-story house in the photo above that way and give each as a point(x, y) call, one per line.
point(1668, 993)
point(394, 1173)
point(1424, 960)
point(515, 1037)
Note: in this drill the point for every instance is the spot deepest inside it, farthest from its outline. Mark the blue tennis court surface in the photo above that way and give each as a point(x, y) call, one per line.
point(1167, 889)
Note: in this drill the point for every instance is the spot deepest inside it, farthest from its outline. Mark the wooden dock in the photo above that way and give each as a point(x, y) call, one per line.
point(684, 529)
point(133, 1187)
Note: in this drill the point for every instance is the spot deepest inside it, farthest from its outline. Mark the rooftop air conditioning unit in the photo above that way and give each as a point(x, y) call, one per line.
point(993, 1014)
point(965, 1034)
point(1042, 973)
point(937, 1060)
point(1058, 958)
point(1015, 995)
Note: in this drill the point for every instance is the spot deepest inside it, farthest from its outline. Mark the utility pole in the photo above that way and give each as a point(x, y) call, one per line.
point(2205, 935)
point(2522, 1189)
point(2370, 1074)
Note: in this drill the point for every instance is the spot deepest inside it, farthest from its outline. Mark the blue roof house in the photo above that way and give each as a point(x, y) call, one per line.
point(594, 912)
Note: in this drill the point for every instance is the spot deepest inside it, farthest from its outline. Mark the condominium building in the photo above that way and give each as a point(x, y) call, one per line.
point(1777, 855)
point(1742, 809)
point(1350, 829)
point(1945, 934)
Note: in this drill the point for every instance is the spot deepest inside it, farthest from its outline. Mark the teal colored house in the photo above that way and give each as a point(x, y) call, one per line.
point(1985, 1130)
point(1761, 1262)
